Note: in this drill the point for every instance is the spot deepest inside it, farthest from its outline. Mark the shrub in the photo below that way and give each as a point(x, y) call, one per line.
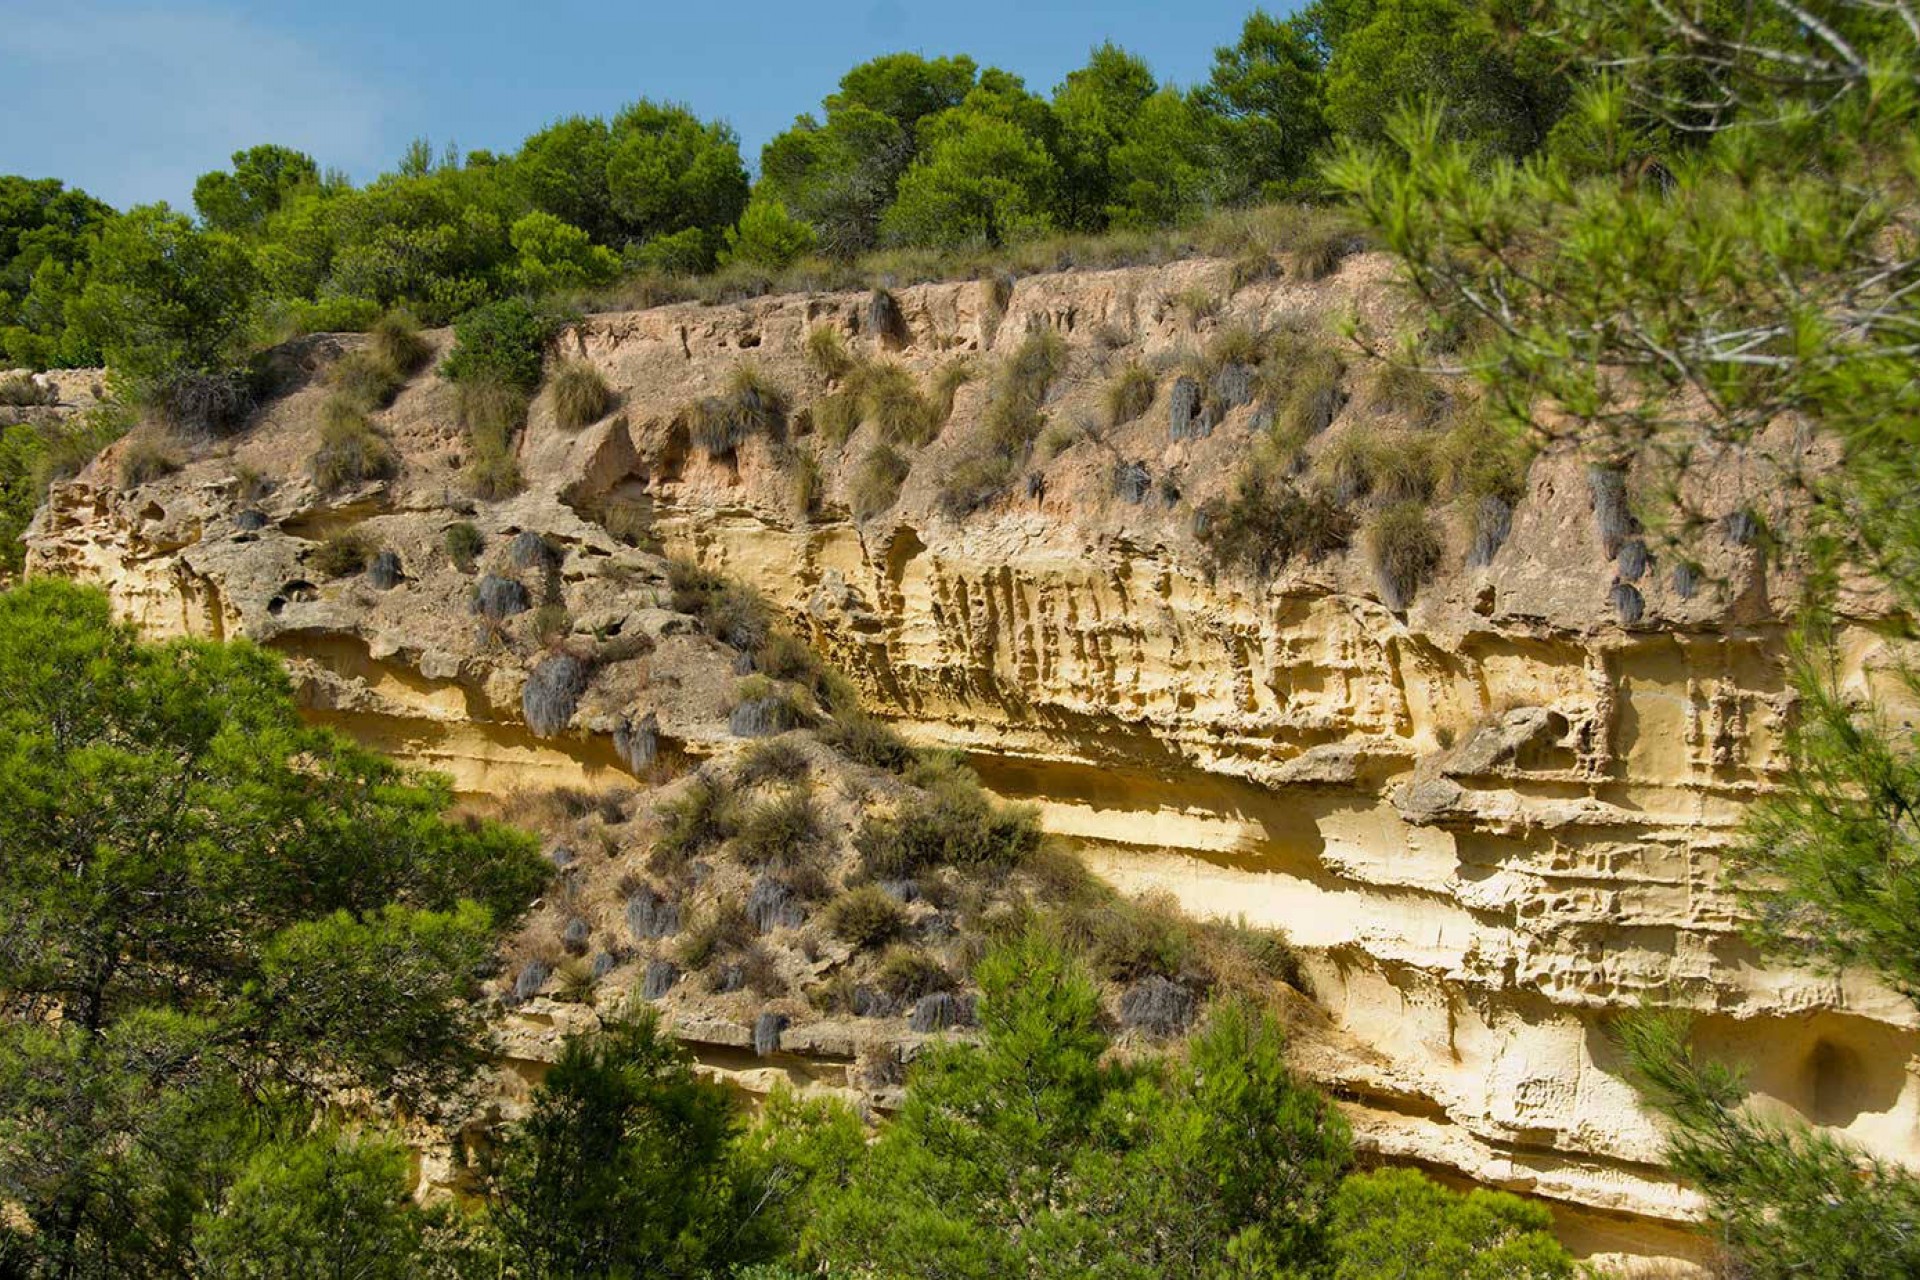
point(951, 823)
point(722, 928)
point(23, 390)
point(464, 543)
point(145, 460)
point(772, 760)
point(492, 476)
point(1481, 457)
point(365, 381)
point(492, 412)
point(762, 708)
point(837, 416)
point(1391, 468)
point(200, 400)
point(1130, 394)
point(352, 451)
point(780, 833)
point(1404, 389)
point(1013, 417)
point(730, 612)
point(866, 740)
point(1268, 522)
point(703, 816)
point(1300, 382)
point(866, 917)
point(396, 342)
point(342, 554)
point(891, 400)
point(1124, 941)
point(757, 403)
point(502, 342)
point(972, 482)
point(1320, 251)
point(1196, 303)
point(906, 975)
point(1404, 549)
point(946, 385)
point(753, 405)
point(876, 483)
point(580, 395)
point(826, 353)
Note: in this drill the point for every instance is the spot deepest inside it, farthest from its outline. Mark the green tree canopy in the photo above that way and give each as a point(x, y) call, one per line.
point(166, 297)
point(1030, 1154)
point(210, 915)
point(1267, 92)
point(260, 182)
point(1096, 106)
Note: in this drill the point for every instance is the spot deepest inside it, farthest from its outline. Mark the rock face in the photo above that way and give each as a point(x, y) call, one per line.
point(1490, 821)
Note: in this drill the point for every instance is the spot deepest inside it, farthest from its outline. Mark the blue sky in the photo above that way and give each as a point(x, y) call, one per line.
point(132, 100)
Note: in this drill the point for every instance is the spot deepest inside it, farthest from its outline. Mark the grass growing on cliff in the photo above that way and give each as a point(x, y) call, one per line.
point(352, 450)
point(1013, 419)
point(1130, 394)
point(580, 395)
point(876, 484)
point(145, 459)
point(1403, 548)
point(1267, 521)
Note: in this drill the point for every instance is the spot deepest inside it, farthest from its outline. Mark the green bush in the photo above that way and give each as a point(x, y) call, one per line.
point(23, 390)
point(145, 460)
point(464, 544)
point(503, 342)
point(837, 416)
point(866, 740)
point(772, 760)
point(1014, 415)
point(876, 483)
point(396, 342)
point(364, 381)
point(352, 451)
point(906, 975)
point(342, 554)
point(1413, 393)
point(781, 833)
point(1130, 394)
point(891, 400)
point(950, 823)
point(946, 386)
point(1266, 521)
point(492, 413)
point(866, 916)
point(703, 816)
point(826, 353)
point(1403, 546)
point(580, 395)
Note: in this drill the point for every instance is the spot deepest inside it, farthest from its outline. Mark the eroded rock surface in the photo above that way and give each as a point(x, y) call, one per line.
point(1491, 821)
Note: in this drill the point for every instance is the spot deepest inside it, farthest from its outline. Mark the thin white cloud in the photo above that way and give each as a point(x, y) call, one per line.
point(134, 103)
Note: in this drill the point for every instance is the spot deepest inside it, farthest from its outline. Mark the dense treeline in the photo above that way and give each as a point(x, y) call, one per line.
point(907, 151)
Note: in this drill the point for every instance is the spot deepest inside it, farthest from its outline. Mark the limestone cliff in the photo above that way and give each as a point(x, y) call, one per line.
point(1490, 821)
